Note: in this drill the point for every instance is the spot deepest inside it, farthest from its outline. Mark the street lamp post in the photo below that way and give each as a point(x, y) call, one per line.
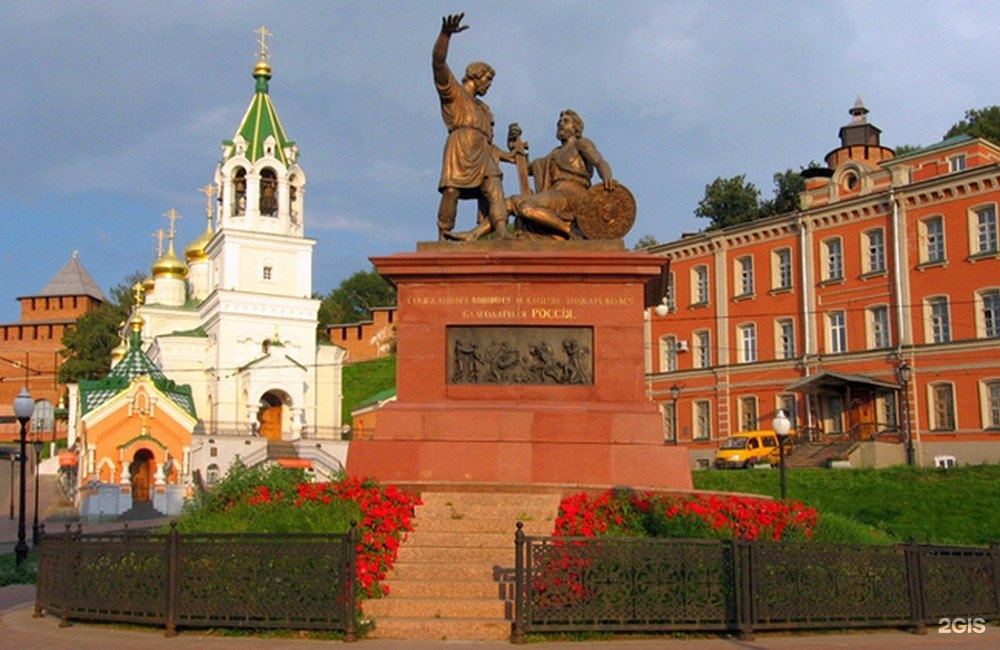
point(781, 425)
point(24, 406)
point(37, 444)
point(675, 393)
point(905, 373)
point(11, 515)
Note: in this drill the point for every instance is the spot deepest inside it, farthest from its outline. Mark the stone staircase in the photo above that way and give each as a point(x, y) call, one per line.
point(454, 576)
point(815, 454)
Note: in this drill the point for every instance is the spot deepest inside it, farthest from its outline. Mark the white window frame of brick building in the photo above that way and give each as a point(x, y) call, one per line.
point(781, 269)
point(873, 259)
point(702, 357)
point(941, 403)
point(748, 342)
point(702, 418)
point(833, 259)
point(931, 237)
point(836, 332)
point(784, 338)
point(937, 319)
point(879, 332)
point(983, 230)
point(988, 313)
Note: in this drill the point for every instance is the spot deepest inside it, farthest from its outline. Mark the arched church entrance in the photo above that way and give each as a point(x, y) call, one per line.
point(143, 473)
point(271, 415)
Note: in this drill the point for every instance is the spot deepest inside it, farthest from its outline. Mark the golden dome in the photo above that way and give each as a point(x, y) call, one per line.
point(136, 322)
point(147, 284)
point(119, 352)
point(195, 251)
point(262, 69)
point(170, 266)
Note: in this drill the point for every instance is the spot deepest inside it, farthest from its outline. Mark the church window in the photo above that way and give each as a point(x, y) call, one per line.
point(267, 273)
point(268, 192)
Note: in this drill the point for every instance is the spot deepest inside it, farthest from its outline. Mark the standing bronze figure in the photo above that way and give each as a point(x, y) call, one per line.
point(471, 164)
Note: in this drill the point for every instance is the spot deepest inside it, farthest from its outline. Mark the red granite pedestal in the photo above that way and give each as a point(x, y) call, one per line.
point(445, 428)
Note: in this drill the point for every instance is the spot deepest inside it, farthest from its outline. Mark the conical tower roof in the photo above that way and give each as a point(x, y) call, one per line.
point(72, 280)
point(261, 119)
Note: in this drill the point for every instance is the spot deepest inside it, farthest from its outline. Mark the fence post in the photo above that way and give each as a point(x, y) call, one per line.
point(995, 557)
point(72, 572)
point(517, 633)
point(915, 586)
point(38, 613)
point(173, 560)
point(743, 593)
point(351, 597)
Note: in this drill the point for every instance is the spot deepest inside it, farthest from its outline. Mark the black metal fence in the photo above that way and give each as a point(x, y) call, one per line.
point(565, 584)
point(294, 581)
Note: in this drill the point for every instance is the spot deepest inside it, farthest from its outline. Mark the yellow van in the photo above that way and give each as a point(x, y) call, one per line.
point(749, 448)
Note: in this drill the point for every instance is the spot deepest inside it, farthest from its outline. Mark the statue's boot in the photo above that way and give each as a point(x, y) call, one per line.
point(481, 230)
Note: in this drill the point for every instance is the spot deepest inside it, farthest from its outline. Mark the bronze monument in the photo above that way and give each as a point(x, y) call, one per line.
point(563, 205)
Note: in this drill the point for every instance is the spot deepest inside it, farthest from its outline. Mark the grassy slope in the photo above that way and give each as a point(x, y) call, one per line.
point(945, 506)
point(365, 379)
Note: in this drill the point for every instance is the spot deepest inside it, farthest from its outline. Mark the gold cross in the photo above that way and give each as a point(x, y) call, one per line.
point(262, 35)
point(209, 192)
point(172, 215)
point(159, 234)
point(137, 293)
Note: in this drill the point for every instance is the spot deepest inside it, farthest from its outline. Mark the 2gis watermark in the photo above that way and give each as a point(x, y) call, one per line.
point(961, 625)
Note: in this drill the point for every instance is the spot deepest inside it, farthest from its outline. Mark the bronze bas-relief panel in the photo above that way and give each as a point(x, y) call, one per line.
point(521, 355)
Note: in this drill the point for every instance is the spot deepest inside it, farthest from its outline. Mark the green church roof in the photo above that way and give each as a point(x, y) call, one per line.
point(261, 121)
point(134, 364)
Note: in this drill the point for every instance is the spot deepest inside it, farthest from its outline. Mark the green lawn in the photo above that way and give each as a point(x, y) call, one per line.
point(365, 379)
point(953, 506)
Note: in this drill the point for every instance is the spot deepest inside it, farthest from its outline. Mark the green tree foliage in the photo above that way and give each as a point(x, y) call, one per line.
point(354, 299)
point(979, 123)
point(87, 346)
point(787, 187)
point(645, 242)
point(904, 149)
point(729, 201)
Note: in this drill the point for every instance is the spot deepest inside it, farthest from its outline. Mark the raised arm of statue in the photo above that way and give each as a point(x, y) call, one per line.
point(439, 55)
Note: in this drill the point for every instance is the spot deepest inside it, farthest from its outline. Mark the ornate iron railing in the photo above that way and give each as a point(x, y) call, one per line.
point(293, 581)
point(567, 584)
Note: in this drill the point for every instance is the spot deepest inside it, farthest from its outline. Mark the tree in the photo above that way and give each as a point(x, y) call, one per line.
point(729, 201)
point(645, 242)
point(89, 343)
point(904, 149)
point(979, 123)
point(354, 299)
point(787, 187)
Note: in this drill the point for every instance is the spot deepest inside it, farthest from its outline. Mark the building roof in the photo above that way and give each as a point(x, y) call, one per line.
point(835, 381)
point(134, 364)
point(261, 121)
point(72, 280)
point(944, 144)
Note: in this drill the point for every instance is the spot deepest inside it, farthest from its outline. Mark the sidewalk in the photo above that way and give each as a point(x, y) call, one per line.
point(19, 631)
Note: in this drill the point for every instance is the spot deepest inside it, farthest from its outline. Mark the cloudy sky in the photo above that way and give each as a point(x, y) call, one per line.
point(112, 113)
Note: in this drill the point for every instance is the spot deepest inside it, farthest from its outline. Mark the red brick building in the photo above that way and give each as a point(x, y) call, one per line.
point(29, 349)
point(872, 314)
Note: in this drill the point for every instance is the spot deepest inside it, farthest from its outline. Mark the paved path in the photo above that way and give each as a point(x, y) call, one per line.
point(19, 631)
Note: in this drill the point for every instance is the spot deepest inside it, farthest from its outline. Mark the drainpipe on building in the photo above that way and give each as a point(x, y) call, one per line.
point(806, 324)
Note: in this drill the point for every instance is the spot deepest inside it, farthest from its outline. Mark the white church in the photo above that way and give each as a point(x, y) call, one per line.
point(235, 321)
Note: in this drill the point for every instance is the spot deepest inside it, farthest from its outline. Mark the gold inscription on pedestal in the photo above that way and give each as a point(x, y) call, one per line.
point(544, 308)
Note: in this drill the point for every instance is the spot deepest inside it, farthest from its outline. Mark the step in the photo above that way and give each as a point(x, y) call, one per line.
point(540, 524)
point(452, 588)
point(443, 629)
point(451, 555)
point(434, 607)
point(474, 539)
point(404, 570)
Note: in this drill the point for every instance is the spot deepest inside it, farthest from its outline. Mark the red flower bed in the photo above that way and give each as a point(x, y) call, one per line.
point(625, 513)
point(385, 520)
